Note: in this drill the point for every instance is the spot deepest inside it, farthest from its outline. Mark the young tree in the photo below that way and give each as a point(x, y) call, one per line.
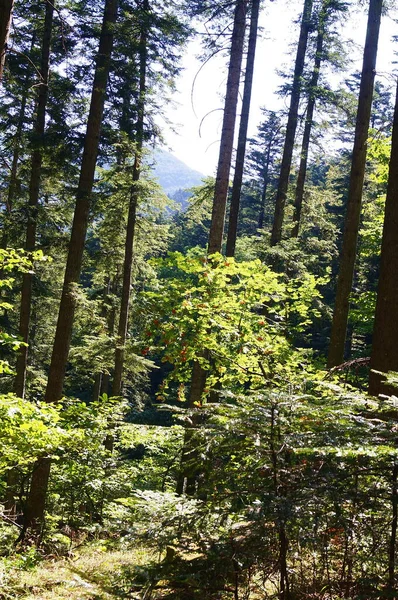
point(38, 490)
point(354, 200)
point(264, 157)
point(6, 7)
point(242, 137)
point(291, 126)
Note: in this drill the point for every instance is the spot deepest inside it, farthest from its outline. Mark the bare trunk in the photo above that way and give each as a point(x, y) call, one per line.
point(384, 355)
point(354, 201)
point(298, 203)
point(228, 129)
point(286, 164)
point(38, 492)
point(6, 7)
point(97, 387)
point(34, 191)
point(131, 221)
point(242, 137)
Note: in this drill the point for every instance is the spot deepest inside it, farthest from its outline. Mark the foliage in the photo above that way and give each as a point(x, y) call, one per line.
point(243, 314)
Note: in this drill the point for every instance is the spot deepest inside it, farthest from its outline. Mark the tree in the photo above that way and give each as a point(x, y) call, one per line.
point(264, 157)
point(384, 355)
point(326, 12)
point(242, 136)
point(160, 38)
point(34, 191)
point(131, 220)
point(354, 200)
point(6, 7)
point(228, 129)
point(37, 496)
point(291, 126)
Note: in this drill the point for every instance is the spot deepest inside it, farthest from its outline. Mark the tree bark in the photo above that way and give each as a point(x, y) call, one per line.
point(291, 126)
point(131, 220)
point(38, 491)
point(243, 126)
point(354, 201)
point(228, 129)
point(309, 119)
point(6, 7)
point(34, 191)
point(384, 356)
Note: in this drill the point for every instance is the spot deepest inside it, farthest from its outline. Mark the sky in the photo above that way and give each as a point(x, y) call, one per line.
point(196, 142)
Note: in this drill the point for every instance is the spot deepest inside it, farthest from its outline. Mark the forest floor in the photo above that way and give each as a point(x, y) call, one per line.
point(98, 572)
point(94, 573)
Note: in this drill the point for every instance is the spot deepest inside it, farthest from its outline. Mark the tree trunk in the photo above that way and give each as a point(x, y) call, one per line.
point(384, 355)
point(354, 201)
point(291, 126)
point(34, 190)
point(38, 491)
point(298, 203)
point(228, 129)
point(265, 185)
point(131, 221)
point(242, 137)
point(6, 7)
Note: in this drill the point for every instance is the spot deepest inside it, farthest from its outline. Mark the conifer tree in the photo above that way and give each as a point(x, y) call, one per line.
point(228, 128)
point(242, 136)
point(384, 355)
point(6, 7)
point(38, 490)
point(354, 200)
point(34, 191)
point(291, 126)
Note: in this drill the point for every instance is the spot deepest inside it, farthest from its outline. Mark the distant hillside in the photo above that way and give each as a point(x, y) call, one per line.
point(173, 175)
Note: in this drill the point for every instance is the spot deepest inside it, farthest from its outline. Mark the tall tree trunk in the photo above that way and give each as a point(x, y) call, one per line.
point(291, 126)
point(131, 220)
point(384, 355)
point(6, 7)
point(198, 380)
point(228, 129)
point(34, 190)
point(354, 201)
point(38, 491)
point(309, 118)
point(242, 137)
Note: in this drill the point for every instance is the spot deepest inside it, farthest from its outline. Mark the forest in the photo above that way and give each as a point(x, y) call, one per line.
point(198, 394)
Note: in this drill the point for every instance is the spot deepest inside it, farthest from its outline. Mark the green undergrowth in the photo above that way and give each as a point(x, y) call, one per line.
point(93, 572)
